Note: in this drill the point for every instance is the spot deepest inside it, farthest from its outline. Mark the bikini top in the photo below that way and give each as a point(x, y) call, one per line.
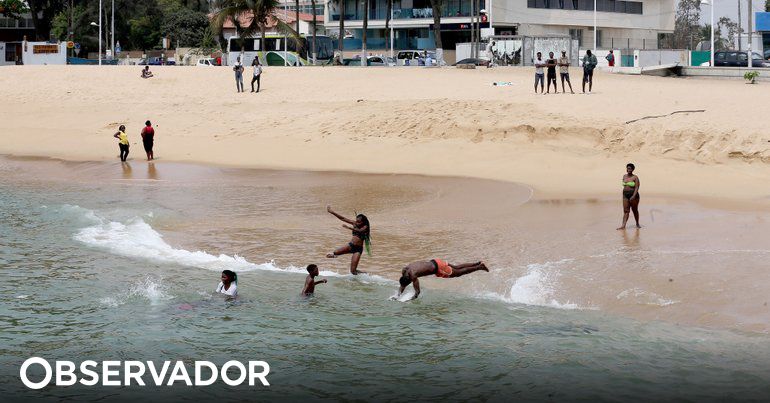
point(360, 234)
point(630, 184)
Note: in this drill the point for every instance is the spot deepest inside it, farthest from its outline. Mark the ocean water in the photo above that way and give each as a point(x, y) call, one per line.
point(103, 263)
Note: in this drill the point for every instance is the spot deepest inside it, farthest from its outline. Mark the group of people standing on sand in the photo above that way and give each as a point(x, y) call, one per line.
point(359, 243)
point(256, 74)
point(148, 140)
point(563, 63)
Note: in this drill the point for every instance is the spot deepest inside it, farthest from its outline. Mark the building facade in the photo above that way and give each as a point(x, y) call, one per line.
point(621, 24)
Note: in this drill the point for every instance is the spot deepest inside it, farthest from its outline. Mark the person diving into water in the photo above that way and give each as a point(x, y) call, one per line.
point(361, 229)
point(437, 267)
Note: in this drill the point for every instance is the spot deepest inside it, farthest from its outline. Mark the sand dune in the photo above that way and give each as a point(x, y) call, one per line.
point(431, 121)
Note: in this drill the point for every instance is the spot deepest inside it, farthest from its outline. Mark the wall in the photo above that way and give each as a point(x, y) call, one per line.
point(31, 58)
point(658, 15)
point(647, 58)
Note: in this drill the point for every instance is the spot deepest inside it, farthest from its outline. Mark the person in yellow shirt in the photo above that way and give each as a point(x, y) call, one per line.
point(122, 142)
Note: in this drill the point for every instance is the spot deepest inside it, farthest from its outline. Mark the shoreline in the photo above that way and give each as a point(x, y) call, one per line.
point(435, 122)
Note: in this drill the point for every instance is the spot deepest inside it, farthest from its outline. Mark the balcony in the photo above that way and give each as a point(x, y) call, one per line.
point(452, 9)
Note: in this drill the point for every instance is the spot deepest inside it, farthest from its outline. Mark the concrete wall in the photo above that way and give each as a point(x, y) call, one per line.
point(657, 15)
point(647, 58)
point(29, 57)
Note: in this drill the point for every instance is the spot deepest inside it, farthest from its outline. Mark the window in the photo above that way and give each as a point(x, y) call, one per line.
point(719, 56)
point(577, 34)
point(609, 6)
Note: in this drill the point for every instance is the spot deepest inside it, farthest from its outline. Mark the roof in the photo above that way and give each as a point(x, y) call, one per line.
point(287, 17)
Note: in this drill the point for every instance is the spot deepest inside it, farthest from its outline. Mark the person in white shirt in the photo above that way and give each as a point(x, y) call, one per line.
point(228, 285)
point(238, 69)
point(539, 72)
point(257, 73)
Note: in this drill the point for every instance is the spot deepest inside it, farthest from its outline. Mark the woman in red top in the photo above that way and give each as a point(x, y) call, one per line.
point(148, 137)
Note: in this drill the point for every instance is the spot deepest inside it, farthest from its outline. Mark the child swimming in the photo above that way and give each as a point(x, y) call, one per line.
point(310, 282)
point(229, 284)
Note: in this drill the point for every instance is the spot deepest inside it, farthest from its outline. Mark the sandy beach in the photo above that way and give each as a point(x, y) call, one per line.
point(446, 122)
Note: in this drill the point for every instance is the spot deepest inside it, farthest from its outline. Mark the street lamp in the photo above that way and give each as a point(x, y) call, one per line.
point(93, 24)
point(709, 3)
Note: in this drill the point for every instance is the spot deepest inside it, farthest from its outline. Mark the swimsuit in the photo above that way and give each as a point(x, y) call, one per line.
point(628, 193)
point(443, 269)
point(356, 248)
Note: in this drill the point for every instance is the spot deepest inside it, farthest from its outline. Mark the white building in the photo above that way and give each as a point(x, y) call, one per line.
point(621, 24)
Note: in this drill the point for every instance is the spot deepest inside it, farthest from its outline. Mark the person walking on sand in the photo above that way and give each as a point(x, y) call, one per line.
point(148, 140)
point(122, 142)
point(437, 267)
point(589, 64)
point(257, 73)
point(361, 230)
point(238, 69)
point(564, 71)
point(630, 195)
point(310, 283)
point(539, 73)
point(610, 59)
point(551, 77)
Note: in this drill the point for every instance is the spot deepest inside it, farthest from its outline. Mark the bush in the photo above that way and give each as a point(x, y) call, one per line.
point(751, 76)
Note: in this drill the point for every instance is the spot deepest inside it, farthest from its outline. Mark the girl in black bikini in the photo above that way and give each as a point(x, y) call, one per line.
point(360, 228)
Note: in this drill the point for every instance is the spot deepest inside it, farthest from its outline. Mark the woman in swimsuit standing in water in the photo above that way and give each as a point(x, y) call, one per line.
point(360, 228)
point(630, 195)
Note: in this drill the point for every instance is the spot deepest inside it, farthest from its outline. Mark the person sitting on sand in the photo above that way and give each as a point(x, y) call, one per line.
point(630, 195)
point(437, 267)
point(310, 282)
point(229, 284)
point(361, 231)
point(146, 73)
point(122, 142)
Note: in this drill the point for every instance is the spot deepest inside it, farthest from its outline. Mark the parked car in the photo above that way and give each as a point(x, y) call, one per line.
point(371, 61)
point(767, 54)
point(734, 58)
point(473, 60)
point(207, 62)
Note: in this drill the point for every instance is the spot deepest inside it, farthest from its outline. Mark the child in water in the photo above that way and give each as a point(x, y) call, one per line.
point(310, 282)
point(228, 285)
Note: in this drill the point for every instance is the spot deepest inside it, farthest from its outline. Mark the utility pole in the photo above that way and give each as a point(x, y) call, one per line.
point(473, 27)
point(739, 25)
point(112, 29)
point(751, 26)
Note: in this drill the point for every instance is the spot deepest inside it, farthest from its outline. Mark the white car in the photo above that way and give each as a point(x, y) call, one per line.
point(206, 62)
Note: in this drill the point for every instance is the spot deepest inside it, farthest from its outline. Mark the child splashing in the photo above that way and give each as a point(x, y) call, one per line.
point(229, 284)
point(361, 230)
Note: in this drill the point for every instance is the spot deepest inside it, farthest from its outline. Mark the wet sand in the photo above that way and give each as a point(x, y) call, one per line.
point(690, 264)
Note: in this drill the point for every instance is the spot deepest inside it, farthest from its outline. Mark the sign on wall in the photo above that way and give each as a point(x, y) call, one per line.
point(43, 49)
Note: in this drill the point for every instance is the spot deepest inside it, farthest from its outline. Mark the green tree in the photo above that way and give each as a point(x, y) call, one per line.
point(43, 13)
point(249, 17)
point(730, 27)
point(185, 27)
point(686, 24)
point(12, 8)
point(143, 33)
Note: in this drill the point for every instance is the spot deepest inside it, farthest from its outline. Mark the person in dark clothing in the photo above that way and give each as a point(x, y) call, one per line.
point(551, 76)
point(148, 139)
point(257, 73)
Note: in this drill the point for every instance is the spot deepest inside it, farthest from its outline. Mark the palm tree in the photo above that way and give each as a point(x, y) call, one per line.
point(364, 59)
point(312, 4)
point(438, 6)
point(341, 44)
point(387, 23)
point(260, 11)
